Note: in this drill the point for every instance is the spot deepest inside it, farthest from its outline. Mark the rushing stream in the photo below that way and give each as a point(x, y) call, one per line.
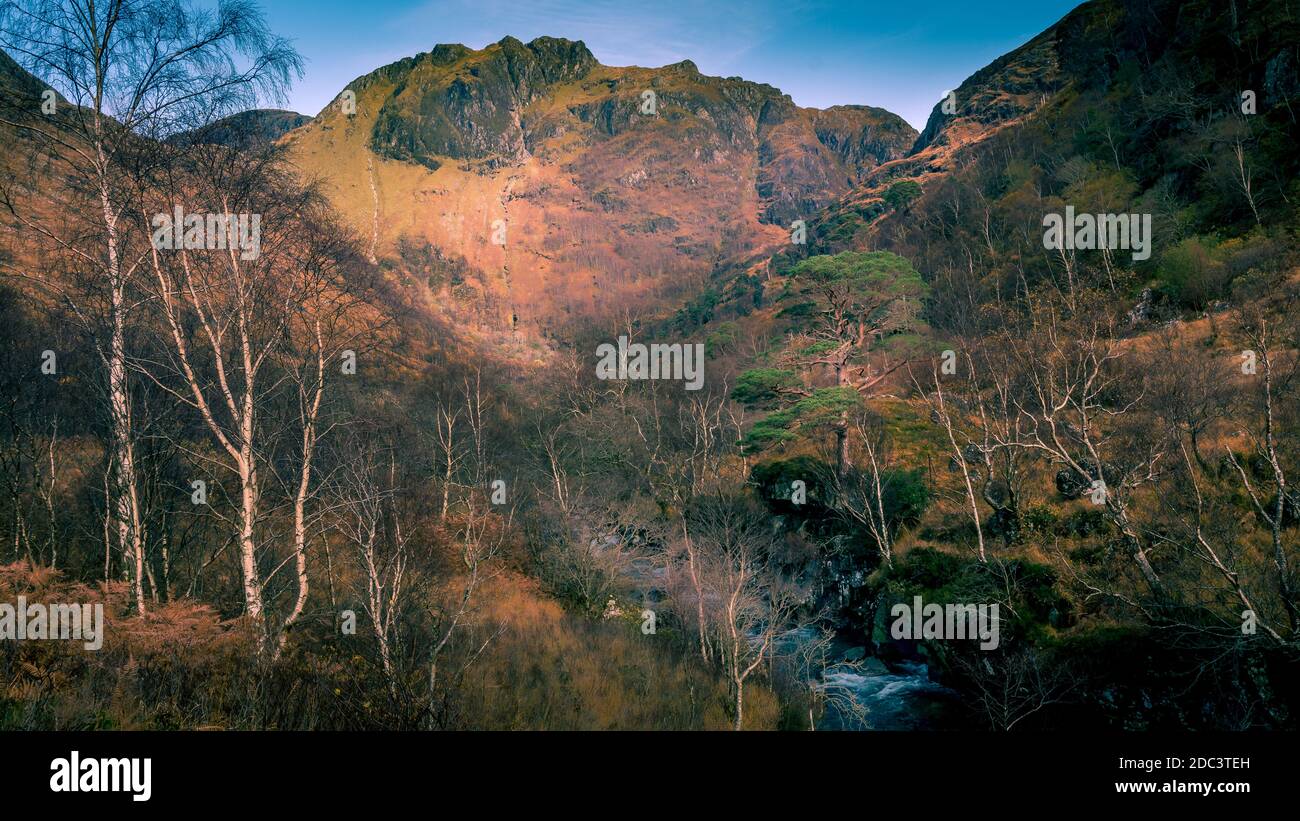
point(902, 700)
point(861, 692)
point(864, 693)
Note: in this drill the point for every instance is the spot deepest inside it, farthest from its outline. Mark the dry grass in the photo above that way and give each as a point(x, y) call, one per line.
point(183, 667)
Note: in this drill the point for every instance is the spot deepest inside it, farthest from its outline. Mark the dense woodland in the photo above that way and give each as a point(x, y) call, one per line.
point(307, 504)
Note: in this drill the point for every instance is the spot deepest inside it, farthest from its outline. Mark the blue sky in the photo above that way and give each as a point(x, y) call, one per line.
point(898, 55)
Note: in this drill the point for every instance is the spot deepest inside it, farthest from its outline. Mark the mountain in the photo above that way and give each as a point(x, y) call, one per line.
point(247, 129)
point(614, 187)
point(1116, 477)
point(16, 82)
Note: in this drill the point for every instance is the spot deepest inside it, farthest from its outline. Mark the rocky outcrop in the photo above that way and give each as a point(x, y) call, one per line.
point(861, 136)
point(457, 103)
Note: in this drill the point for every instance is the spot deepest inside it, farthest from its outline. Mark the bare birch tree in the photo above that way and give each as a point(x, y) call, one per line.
point(250, 334)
